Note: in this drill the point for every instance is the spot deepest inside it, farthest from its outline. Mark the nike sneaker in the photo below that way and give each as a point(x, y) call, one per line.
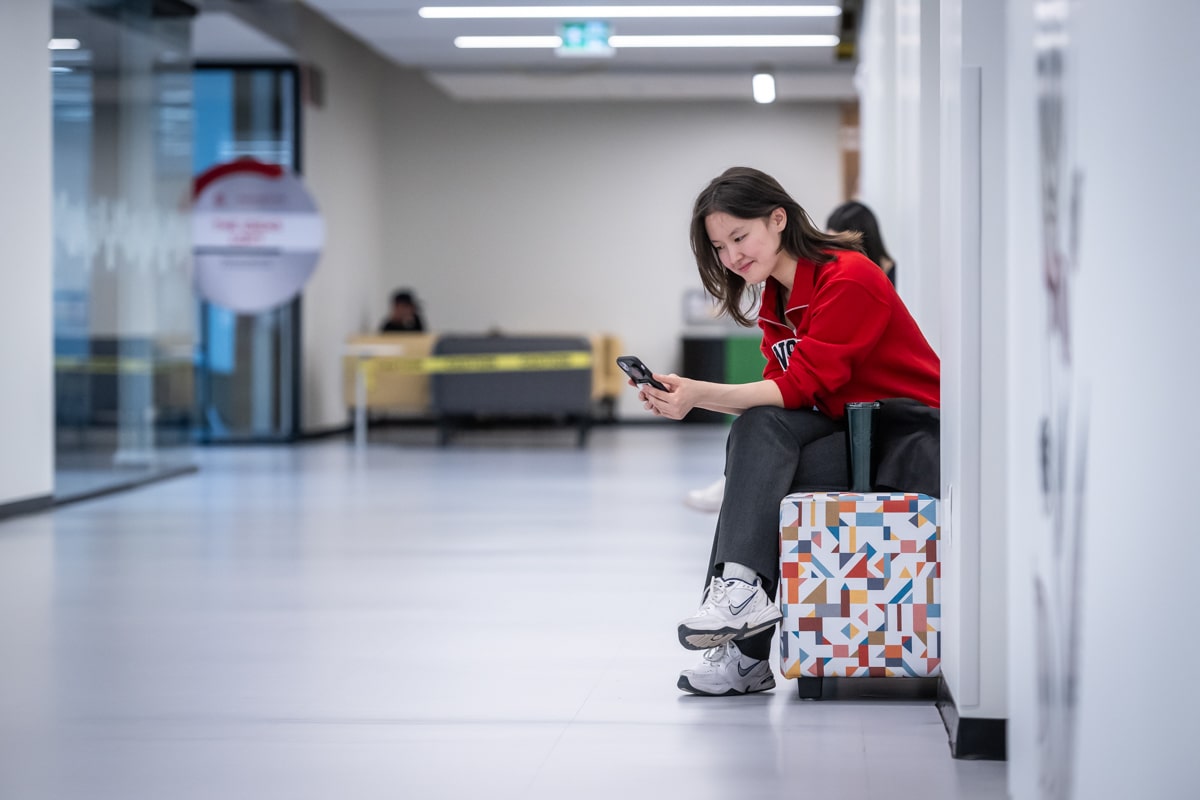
point(725, 671)
point(733, 609)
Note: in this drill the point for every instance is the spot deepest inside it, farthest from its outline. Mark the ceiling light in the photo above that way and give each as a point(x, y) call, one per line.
point(623, 12)
point(64, 44)
point(768, 40)
point(763, 85)
point(504, 42)
point(617, 42)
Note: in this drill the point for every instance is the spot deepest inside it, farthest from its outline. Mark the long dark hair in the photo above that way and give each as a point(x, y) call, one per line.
point(747, 193)
point(854, 216)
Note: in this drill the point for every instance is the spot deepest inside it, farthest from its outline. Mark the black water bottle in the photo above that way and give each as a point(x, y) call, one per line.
point(860, 440)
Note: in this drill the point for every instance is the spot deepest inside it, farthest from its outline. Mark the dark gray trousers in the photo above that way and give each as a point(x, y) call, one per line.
point(770, 453)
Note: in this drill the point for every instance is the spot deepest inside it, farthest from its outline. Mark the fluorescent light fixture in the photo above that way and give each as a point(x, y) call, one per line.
point(64, 44)
point(508, 42)
point(617, 42)
point(61, 69)
point(623, 12)
point(767, 40)
point(763, 85)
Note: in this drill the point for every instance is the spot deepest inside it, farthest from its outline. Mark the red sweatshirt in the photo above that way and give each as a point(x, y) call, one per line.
point(853, 339)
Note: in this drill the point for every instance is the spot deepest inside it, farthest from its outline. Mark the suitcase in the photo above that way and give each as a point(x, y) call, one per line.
point(860, 586)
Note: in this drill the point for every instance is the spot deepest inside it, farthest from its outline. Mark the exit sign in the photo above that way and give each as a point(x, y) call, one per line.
point(588, 38)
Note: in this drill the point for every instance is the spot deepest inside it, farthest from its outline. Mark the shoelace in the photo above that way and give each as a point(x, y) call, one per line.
point(716, 592)
point(716, 654)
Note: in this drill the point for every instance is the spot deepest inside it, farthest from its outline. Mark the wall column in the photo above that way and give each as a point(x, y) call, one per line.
point(26, 274)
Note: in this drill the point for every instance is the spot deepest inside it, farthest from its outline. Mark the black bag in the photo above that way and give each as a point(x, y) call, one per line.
point(906, 452)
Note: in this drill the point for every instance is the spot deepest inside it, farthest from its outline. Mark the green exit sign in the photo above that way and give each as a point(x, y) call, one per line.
point(587, 38)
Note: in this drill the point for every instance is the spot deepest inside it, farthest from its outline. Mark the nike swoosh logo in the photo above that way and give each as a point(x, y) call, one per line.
point(740, 607)
point(745, 672)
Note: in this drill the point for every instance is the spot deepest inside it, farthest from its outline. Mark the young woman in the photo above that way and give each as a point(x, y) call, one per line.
point(851, 216)
point(834, 331)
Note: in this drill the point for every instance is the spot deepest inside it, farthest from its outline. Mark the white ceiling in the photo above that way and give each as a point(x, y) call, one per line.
point(395, 30)
point(221, 36)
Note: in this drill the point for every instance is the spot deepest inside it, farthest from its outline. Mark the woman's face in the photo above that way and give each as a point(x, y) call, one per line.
point(751, 248)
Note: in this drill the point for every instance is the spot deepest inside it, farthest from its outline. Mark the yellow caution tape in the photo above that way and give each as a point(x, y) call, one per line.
point(480, 362)
point(112, 364)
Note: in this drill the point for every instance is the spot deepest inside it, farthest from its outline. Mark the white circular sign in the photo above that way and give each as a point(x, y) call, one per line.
point(256, 235)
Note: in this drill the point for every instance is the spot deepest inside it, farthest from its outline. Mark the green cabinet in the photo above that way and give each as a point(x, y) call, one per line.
point(722, 359)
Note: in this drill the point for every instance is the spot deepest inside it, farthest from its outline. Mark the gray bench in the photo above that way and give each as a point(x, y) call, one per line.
point(551, 380)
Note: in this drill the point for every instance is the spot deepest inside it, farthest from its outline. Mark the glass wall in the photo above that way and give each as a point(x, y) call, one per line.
point(124, 315)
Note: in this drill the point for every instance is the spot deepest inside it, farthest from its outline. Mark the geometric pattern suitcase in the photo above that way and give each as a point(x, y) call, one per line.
point(860, 585)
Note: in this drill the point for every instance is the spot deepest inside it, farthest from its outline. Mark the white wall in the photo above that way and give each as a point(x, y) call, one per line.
point(878, 97)
point(975, 447)
point(27, 401)
point(1102, 704)
point(950, 252)
point(897, 75)
point(1026, 391)
point(345, 142)
point(561, 217)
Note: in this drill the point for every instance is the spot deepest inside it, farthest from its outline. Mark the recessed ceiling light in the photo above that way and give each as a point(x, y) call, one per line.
point(64, 44)
point(763, 85)
point(623, 12)
point(618, 42)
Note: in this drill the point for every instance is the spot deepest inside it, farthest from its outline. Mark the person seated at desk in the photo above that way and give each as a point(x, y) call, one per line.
point(406, 314)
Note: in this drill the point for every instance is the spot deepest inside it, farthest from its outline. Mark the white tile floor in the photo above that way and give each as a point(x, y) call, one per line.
point(495, 619)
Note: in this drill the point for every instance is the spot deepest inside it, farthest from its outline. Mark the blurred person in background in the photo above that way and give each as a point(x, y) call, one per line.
point(856, 217)
point(405, 314)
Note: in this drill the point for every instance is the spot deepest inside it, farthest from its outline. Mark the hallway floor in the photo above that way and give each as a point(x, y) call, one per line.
point(493, 619)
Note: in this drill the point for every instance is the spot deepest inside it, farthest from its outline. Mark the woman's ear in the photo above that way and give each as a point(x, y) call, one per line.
point(778, 219)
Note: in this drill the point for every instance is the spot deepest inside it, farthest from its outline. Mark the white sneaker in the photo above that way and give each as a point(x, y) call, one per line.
point(725, 671)
point(733, 609)
point(707, 499)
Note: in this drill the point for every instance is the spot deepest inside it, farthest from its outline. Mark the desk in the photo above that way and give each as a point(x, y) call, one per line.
point(362, 353)
point(395, 373)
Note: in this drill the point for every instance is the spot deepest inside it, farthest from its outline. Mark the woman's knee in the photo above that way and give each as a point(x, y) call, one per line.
point(758, 419)
point(798, 424)
point(759, 433)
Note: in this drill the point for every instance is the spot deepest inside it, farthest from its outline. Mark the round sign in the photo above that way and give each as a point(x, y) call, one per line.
point(256, 235)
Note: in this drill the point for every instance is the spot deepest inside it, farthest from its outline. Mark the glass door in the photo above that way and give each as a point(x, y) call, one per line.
point(247, 365)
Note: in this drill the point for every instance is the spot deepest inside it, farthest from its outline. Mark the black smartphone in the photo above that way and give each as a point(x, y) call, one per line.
point(634, 368)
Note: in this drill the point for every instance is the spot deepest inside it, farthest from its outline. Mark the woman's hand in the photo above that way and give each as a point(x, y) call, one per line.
point(675, 404)
point(724, 398)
